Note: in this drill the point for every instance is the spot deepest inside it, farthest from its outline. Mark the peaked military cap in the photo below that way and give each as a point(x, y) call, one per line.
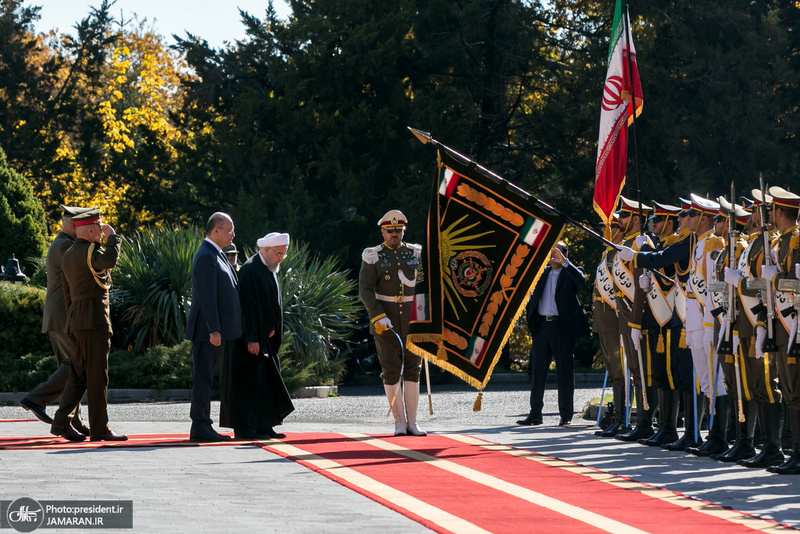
point(392, 219)
point(782, 197)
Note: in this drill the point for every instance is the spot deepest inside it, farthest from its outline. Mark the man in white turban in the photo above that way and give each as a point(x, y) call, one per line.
point(254, 397)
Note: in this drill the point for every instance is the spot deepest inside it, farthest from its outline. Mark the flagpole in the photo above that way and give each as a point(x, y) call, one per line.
point(632, 96)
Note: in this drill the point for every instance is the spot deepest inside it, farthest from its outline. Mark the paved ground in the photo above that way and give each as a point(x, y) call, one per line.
point(232, 488)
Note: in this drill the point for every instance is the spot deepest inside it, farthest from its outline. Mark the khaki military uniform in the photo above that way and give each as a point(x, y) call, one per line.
point(386, 287)
point(86, 281)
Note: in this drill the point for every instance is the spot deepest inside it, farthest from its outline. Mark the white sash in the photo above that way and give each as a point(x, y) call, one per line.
point(748, 302)
point(661, 304)
point(680, 301)
point(604, 283)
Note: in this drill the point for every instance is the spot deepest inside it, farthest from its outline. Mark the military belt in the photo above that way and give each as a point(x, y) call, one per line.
point(399, 299)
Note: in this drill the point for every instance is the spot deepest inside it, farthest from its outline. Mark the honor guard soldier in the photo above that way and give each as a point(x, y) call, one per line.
point(679, 254)
point(86, 279)
point(386, 287)
point(732, 216)
point(630, 307)
point(785, 252)
point(606, 326)
point(660, 340)
point(760, 371)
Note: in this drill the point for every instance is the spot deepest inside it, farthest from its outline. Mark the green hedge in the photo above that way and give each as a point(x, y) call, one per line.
point(26, 357)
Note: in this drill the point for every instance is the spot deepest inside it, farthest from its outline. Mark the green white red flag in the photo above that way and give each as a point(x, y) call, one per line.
point(622, 97)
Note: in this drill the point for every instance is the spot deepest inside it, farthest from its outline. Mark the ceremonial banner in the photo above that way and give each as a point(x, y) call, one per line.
point(487, 243)
point(622, 93)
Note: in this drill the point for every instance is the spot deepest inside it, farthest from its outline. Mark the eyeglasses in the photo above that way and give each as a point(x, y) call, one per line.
point(393, 230)
point(279, 254)
point(693, 214)
point(228, 230)
point(657, 220)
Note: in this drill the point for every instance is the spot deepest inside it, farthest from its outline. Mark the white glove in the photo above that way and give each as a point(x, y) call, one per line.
point(644, 281)
point(641, 240)
point(383, 324)
point(636, 336)
point(761, 335)
point(732, 276)
point(735, 344)
point(768, 272)
point(708, 336)
point(797, 270)
point(625, 253)
point(722, 330)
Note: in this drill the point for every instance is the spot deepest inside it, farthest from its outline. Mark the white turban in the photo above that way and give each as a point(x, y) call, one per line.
point(273, 239)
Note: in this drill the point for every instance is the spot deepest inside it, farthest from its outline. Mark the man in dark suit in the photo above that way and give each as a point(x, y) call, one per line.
point(555, 320)
point(254, 396)
point(86, 279)
point(215, 319)
point(54, 324)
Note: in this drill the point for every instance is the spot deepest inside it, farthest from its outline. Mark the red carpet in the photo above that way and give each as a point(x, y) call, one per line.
point(455, 483)
point(134, 440)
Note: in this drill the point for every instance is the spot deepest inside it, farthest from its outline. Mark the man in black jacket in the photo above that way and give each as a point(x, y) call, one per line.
point(555, 320)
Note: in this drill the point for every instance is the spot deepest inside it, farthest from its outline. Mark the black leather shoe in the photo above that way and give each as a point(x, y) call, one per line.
point(613, 430)
point(789, 467)
point(682, 444)
point(763, 460)
point(640, 432)
point(80, 427)
point(660, 438)
point(735, 453)
point(530, 420)
point(564, 422)
point(711, 446)
point(37, 410)
point(67, 433)
point(207, 435)
point(110, 436)
point(271, 434)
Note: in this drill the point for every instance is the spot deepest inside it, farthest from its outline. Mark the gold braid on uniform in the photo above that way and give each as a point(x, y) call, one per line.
point(103, 278)
point(681, 236)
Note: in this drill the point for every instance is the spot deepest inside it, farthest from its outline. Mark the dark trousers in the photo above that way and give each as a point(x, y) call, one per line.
point(88, 374)
point(205, 358)
point(51, 389)
point(551, 342)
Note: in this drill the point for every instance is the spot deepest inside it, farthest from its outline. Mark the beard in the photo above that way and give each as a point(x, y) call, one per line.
point(274, 268)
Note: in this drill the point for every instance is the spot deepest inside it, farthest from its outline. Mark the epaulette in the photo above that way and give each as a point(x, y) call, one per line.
point(713, 243)
point(794, 242)
point(370, 254)
point(416, 248)
point(741, 245)
point(683, 234)
point(671, 240)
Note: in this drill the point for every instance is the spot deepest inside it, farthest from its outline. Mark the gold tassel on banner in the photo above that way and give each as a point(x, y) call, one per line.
point(660, 344)
point(441, 353)
point(682, 340)
point(477, 406)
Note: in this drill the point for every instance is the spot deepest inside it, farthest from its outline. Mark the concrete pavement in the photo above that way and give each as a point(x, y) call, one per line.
point(231, 488)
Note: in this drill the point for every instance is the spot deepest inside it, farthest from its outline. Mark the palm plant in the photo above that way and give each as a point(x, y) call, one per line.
point(320, 307)
point(152, 282)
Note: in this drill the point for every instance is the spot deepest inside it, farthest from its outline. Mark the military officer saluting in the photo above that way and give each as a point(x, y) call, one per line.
point(386, 287)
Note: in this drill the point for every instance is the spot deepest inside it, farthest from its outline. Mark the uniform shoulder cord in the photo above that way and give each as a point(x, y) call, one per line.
point(103, 278)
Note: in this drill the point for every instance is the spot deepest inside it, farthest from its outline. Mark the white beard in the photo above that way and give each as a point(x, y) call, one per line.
point(274, 268)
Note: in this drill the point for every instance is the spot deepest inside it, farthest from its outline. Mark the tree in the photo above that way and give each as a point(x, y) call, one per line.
point(21, 217)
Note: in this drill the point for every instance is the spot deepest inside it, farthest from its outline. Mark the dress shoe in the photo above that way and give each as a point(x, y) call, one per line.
point(735, 453)
point(564, 422)
point(682, 444)
point(207, 435)
point(789, 467)
point(613, 430)
point(80, 427)
point(641, 431)
point(110, 436)
point(67, 433)
point(37, 410)
point(530, 421)
point(274, 435)
point(660, 438)
point(413, 429)
point(711, 446)
point(763, 459)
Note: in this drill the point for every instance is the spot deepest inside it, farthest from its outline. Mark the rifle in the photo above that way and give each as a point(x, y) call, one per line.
point(793, 286)
point(726, 346)
point(767, 298)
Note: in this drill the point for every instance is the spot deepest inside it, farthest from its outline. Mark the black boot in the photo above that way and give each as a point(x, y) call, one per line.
point(743, 447)
point(688, 439)
point(667, 431)
point(716, 441)
point(786, 432)
point(769, 419)
point(644, 418)
point(792, 465)
point(619, 426)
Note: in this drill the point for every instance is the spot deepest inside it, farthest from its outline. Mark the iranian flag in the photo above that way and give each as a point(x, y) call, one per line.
point(622, 94)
